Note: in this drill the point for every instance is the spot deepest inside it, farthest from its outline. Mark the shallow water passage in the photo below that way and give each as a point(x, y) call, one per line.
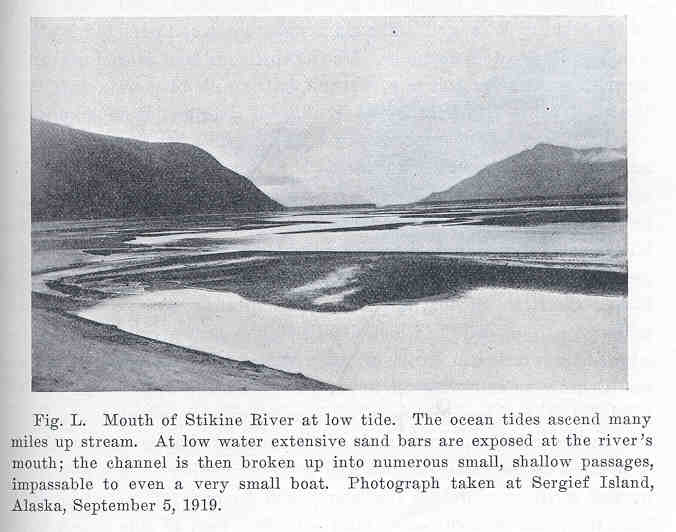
point(597, 231)
point(605, 238)
point(491, 338)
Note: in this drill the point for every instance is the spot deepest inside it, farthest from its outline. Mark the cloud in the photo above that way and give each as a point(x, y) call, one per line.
point(195, 115)
point(272, 180)
point(355, 110)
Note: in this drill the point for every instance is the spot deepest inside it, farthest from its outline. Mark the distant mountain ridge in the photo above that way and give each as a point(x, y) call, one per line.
point(545, 171)
point(76, 174)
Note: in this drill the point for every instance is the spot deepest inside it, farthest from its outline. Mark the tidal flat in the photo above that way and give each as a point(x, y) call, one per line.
point(497, 295)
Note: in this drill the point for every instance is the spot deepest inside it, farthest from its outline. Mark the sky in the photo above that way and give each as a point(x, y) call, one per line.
point(337, 110)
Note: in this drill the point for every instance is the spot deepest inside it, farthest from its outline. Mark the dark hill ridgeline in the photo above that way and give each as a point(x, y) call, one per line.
point(545, 171)
point(76, 174)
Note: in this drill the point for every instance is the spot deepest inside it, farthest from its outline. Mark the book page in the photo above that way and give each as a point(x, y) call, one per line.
point(379, 266)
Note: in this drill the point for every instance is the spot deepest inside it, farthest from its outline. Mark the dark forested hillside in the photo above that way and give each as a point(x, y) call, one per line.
point(76, 174)
point(545, 171)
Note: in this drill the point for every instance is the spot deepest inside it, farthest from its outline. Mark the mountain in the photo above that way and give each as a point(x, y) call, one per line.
point(76, 174)
point(545, 171)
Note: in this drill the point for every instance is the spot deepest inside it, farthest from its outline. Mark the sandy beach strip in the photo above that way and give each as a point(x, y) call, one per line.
point(74, 354)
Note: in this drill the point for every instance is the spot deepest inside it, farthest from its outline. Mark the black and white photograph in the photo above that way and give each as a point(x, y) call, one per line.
point(328, 203)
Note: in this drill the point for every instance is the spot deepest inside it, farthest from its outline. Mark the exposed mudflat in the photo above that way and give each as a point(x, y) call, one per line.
point(529, 295)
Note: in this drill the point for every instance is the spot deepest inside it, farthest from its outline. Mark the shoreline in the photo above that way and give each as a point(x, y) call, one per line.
point(75, 268)
point(74, 354)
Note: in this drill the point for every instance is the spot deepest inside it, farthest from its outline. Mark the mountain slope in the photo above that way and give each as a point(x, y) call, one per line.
point(545, 171)
point(77, 174)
